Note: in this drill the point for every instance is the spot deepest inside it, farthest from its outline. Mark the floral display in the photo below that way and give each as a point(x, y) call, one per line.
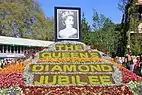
point(13, 79)
point(136, 87)
point(71, 60)
point(87, 70)
point(19, 67)
point(129, 76)
point(78, 90)
point(13, 90)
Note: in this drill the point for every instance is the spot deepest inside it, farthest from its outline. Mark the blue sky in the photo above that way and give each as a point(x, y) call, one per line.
point(106, 7)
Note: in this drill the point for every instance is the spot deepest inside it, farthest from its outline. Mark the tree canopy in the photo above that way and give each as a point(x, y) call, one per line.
point(104, 35)
point(130, 22)
point(26, 21)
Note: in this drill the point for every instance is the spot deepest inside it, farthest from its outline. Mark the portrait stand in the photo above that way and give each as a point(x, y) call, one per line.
point(67, 24)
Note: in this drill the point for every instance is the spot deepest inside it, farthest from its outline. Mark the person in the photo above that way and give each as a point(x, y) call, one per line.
point(119, 60)
point(124, 63)
point(68, 21)
point(130, 63)
point(2, 65)
point(141, 65)
point(137, 68)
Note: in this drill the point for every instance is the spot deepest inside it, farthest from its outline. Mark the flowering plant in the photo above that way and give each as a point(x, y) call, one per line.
point(71, 60)
point(11, 79)
point(136, 87)
point(13, 90)
point(19, 67)
point(127, 83)
point(78, 90)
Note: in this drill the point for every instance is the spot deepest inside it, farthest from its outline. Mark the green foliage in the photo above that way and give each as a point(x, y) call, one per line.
point(122, 4)
point(107, 39)
point(136, 46)
point(99, 20)
point(85, 30)
point(130, 22)
point(105, 35)
point(26, 21)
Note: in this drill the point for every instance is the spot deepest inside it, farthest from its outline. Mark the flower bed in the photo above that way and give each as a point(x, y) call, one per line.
point(81, 90)
point(11, 79)
point(71, 60)
point(19, 67)
point(13, 82)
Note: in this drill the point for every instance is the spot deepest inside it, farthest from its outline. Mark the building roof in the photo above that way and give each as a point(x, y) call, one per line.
point(24, 42)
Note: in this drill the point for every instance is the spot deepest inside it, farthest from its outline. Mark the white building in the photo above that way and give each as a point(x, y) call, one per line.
point(15, 47)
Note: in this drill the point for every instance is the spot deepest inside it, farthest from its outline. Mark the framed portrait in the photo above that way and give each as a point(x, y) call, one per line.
point(67, 23)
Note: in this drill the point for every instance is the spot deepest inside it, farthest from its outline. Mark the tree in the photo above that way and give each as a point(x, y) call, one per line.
point(99, 20)
point(27, 21)
point(85, 29)
point(106, 36)
point(129, 23)
point(122, 5)
point(136, 47)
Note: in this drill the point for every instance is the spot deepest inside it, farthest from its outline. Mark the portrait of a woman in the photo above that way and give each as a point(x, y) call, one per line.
point(67, 30)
